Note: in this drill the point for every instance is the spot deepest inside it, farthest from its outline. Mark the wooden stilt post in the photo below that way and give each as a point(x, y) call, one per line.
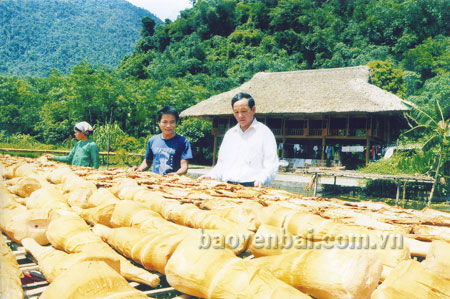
point(316, 179)
point(322, 157)
point(283, 139)
point(214, 150)
point(397, 196)
point(404, 194)
point(367, 150)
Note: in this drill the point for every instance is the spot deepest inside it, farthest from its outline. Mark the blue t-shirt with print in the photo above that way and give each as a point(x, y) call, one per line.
point(166, 154)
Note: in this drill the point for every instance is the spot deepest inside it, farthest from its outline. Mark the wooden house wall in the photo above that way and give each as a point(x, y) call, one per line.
point(350, 129)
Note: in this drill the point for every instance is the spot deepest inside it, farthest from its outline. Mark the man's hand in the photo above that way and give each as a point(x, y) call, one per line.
point(49, 156)
point(258, 184)
point(141, 167)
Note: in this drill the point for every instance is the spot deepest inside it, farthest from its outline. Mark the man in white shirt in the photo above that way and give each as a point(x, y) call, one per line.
point(248, 154)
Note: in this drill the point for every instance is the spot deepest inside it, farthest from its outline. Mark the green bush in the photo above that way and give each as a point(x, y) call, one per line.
point(23, 141)
point(108, 134)
point(402, 163)
point(126, 146)
point(120, 143)
point(198, 132)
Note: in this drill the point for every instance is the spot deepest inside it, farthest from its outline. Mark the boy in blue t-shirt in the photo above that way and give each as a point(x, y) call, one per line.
point(167, 152)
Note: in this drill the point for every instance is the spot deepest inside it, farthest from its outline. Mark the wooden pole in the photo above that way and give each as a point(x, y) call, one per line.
point(347, 126)
point(436, 176)
point(283, 139)
point(322, 157)
point(316, 179)
point(214, 150)
point(388, 129)
point(109, 139)
point(404, 192)
point(367, 150)
point(109, 144)
point(306, 133)
point(397, 196)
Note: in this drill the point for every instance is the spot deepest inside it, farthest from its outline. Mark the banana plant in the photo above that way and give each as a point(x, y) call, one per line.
point(437, 137)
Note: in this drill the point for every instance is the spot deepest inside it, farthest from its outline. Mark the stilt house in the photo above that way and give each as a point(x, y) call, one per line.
point(323, 116)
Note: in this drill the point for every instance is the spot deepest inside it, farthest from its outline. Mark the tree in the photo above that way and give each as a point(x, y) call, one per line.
point(436, 130)
point(435, 89)
point(198, 132)
point(148, 27)
point(385, 76)
point(429, 58)
point(19, 102)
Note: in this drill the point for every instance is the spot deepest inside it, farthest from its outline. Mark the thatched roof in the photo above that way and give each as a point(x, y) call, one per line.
point(339, 90)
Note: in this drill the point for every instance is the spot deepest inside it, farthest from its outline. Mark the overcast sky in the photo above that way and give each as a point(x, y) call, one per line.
point(163, 9)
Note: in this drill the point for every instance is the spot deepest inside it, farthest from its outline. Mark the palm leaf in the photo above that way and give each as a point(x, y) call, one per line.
point(417, 128)
point(432, 142)
point(440, 110)
point(422, 117)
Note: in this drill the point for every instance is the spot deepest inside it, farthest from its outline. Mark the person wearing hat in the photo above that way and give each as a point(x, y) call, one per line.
point(85, 152)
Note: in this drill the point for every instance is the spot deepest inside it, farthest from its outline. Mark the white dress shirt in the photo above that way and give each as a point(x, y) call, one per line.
point(247, 156)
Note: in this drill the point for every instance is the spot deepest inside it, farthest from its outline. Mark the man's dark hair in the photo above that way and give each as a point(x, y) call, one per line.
point(243, 95)
point(168, 110)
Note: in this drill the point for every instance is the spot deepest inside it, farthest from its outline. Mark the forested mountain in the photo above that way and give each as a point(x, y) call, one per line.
point(38, 35)
point(230, 40)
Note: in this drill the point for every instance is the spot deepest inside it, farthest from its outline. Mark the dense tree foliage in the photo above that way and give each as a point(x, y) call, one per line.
point(219, 44)
point(38, 35)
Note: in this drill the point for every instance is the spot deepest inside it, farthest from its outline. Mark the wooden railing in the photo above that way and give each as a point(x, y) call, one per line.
point(357, 132)
point(3, 150)
point(276, 131)
point(315, 132)
point(295, 131)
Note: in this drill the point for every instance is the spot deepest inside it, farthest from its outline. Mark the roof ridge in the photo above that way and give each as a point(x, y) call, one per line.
point(337, 69)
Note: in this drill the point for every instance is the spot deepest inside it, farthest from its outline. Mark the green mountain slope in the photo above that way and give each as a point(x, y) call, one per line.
point(38, 35)
point(228, 41)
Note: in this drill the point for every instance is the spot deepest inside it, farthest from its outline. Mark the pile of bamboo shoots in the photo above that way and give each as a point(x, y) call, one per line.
point(87, 229)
